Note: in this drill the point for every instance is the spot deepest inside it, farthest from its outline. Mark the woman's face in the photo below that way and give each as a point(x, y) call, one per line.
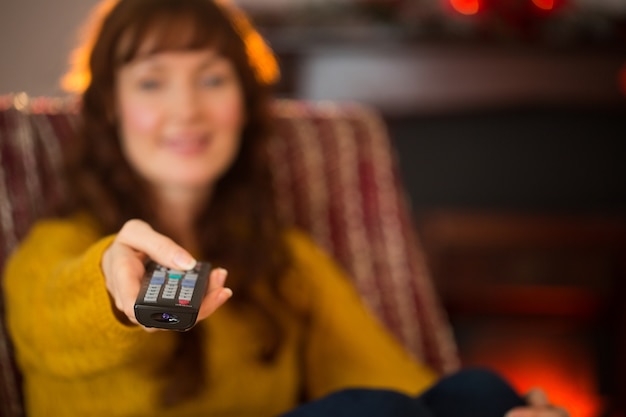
point(180, 117)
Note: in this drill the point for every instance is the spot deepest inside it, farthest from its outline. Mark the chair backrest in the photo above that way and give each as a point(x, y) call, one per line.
point(336, 176)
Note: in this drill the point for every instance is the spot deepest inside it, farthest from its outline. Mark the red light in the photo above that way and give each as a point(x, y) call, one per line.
point(544, 4)
point(565, 372)
point(466, 7)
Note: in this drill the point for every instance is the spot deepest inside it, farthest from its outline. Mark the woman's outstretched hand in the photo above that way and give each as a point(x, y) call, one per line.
point(538, 406)
point(123, 268)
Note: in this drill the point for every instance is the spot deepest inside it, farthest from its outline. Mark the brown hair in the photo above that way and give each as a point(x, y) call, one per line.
point(240, 228)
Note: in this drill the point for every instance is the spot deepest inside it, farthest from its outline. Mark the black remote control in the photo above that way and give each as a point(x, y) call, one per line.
point(169, 298)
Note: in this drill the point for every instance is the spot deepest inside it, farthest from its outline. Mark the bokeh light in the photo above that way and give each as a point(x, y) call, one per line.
point(466, 7)
point(544, 4)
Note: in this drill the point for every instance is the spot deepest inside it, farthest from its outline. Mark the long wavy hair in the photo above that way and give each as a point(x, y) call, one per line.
point(239, 229)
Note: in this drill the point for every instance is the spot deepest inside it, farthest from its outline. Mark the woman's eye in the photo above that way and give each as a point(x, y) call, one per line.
point(213, 81)
point(149, 85)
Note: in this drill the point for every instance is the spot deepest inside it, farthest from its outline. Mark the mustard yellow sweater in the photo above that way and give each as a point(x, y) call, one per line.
point(78, 360)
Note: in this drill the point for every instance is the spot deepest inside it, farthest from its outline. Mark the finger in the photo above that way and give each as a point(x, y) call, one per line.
point(537, 397)
point(534, 411)
point(122, 277)
point(217, 279)
point(151, 329)
point(520, 412)
point(140, 236)
point(215, 295)
point(562, 412)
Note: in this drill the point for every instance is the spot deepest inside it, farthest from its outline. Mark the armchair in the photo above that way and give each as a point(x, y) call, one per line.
point(336, 176)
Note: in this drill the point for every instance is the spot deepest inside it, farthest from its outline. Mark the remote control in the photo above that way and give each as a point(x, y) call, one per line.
point(169, 298)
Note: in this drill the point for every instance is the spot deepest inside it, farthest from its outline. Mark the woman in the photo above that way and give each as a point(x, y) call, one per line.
point(170, 166)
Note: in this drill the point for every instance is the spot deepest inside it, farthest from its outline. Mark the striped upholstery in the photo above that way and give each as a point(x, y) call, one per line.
point(336, 177)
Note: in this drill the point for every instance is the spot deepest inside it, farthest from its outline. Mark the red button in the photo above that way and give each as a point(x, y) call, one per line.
point(183, 302)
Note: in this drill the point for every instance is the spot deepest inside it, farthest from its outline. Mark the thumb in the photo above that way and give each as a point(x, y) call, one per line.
point(537, 397)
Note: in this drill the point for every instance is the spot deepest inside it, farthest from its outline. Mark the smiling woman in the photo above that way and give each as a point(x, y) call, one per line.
point(174, 118)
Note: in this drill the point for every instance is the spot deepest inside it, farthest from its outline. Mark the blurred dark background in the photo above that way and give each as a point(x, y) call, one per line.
point(509, 119)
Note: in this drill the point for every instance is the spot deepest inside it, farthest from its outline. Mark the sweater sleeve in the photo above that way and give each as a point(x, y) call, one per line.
point(59, 313)
point(346, 345)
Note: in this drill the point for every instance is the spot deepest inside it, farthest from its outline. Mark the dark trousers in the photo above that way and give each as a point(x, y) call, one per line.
point(468, 393)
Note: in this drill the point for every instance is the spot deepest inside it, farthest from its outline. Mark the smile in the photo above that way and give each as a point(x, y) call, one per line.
point(187, 145)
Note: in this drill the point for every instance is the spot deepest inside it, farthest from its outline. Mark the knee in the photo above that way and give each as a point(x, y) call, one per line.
point(473, 388)
point(479, 378)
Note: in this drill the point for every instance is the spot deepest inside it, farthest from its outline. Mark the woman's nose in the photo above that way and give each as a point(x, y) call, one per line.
point(186, 103)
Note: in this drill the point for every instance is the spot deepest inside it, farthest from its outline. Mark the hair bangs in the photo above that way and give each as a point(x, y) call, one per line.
point(173, 28)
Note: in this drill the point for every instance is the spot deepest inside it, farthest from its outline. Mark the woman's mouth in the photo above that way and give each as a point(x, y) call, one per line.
point(187, 145)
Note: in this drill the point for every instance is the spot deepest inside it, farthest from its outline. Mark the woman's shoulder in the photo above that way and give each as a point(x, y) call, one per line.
point(77, 224)
point(297, 238)
point(313, 266)
point(59, 233)
point(305, 250)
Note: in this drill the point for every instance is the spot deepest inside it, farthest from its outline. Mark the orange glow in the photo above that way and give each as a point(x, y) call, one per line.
point(544, 4)
point(567, 380)
point(466, 7)
point(260, 55)
point(557, 384)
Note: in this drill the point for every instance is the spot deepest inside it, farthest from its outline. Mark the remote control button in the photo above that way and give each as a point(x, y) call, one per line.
point(173, 273)
point(157, 280)
point(185, 296)
point(152, 293)
point(169, 294)
point(153, 290)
